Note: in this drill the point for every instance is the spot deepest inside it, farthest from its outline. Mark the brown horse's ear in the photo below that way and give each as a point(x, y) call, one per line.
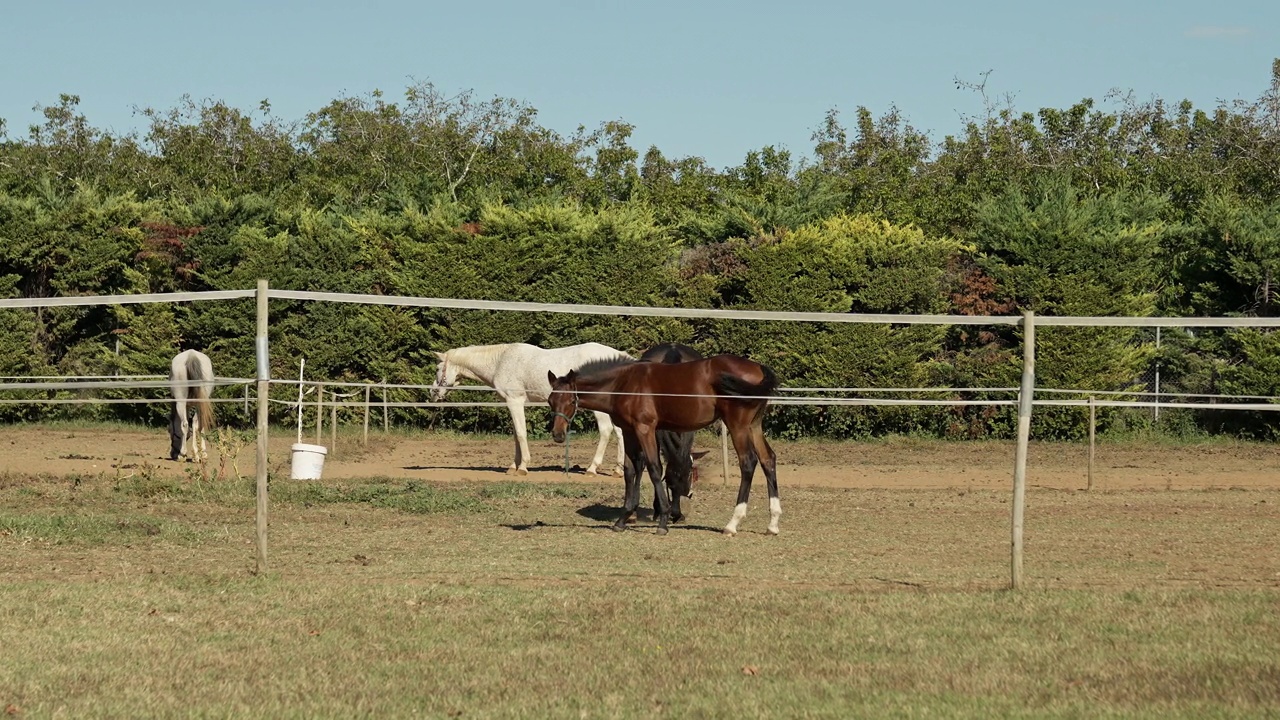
point(551, 377)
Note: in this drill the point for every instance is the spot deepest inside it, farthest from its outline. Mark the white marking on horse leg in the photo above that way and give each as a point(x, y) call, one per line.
point(739, 512)
point(775, 512)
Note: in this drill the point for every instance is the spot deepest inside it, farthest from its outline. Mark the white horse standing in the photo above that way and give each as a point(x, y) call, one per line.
point(191, 377)
point(518, 372)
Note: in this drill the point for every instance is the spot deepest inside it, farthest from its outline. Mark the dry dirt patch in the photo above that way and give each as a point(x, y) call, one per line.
point(895, 463)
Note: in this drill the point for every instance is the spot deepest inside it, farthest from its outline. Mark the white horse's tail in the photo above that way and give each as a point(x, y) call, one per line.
point(204, 408)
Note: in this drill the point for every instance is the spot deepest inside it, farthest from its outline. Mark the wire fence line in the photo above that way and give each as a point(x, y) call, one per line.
point(123, 382)
point(68, 383)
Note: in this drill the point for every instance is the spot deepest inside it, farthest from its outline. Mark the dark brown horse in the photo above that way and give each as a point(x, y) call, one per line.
point(679, 473)
point(643, 398)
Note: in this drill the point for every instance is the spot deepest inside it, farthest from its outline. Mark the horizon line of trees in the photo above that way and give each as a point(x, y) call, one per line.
point(1148, 209)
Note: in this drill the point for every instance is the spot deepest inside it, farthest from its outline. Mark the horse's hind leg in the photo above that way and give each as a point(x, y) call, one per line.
point(606, 430)
point(745, 449)
point(769, 463)
point(617, 432)
point(198, 445)
point(194, 442)
point(521, 464)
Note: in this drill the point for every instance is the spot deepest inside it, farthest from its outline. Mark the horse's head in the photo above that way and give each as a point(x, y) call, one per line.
point(446, 377)
point(563, 400)
point(683, 483)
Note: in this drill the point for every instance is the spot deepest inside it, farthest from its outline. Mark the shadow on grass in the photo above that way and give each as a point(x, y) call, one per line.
point(575, 470)
point(610, 513)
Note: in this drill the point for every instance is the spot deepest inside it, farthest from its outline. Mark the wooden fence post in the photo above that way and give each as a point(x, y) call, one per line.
point(1024, 436)
point(264, 383)
point(1093, 424)
point(320, 414)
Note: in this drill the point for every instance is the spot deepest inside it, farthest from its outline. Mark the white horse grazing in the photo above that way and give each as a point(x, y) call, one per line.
point(518, 372)
point(191, 377)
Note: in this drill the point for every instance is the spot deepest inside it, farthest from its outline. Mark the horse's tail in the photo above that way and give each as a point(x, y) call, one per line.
point(733, 385)
point(204, 408)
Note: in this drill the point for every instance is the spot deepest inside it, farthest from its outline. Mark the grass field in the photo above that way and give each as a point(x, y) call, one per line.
point(134, 596)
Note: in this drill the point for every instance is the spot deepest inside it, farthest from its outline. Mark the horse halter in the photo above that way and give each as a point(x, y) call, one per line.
point(568, 418)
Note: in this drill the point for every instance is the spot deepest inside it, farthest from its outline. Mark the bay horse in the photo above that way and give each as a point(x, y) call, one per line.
point(191, 379)
point(676, 448)
point(518, 371)
point(683, 397)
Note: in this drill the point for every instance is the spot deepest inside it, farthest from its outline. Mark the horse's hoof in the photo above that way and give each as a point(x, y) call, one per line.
point(618, 528)
point(517, 471)
point(591, 472)
point(729, 533)
point(771, 531)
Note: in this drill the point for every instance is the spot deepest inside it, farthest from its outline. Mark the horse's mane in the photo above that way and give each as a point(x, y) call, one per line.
point(602, 365)
point(479, 358)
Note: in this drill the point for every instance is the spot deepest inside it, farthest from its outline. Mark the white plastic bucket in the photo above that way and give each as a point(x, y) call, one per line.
point(308, 461)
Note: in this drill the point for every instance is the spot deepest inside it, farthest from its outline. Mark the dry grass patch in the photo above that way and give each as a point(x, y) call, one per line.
point(389, 597)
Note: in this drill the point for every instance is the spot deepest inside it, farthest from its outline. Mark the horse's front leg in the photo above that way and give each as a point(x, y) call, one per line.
point(521, 464)
point(653, 463)
point(631, 470)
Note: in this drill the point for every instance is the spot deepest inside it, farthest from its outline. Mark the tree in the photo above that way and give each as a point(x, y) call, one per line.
point(210, 146)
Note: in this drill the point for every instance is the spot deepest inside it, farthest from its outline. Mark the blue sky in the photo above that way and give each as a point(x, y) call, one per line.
point(709, 78)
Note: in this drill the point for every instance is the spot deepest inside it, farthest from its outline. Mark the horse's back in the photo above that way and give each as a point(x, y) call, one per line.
point(746, 369)
point(524, 367)
point(673, 396)
point(716, 375)
point(670, 353)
